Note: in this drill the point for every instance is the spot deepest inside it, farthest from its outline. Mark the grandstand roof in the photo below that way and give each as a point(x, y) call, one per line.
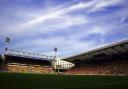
point(115, 48)
point(27, 55)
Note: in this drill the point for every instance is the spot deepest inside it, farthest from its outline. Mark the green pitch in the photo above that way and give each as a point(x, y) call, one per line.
point(49, 81)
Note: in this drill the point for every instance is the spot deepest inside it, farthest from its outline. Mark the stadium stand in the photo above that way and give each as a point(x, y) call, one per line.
point(26, 65)
point(108, 60)
point(0, 62)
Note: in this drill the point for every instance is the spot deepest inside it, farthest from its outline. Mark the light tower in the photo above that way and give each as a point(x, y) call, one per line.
point(55, 58)
point(55, 51)
point(7, 40)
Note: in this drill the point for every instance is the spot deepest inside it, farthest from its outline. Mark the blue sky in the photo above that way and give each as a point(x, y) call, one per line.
point(73, 26)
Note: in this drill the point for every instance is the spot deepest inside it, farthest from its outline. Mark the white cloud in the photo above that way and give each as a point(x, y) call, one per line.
point(102, 4)
point(65, 46)
point(62, 42)
point(57, 14)
point(62, 18)
point(99, 30)
point(60, 13)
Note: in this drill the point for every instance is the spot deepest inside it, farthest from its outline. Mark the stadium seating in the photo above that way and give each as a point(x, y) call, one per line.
point(0, 63)
point(17, 67)
point(118, 67)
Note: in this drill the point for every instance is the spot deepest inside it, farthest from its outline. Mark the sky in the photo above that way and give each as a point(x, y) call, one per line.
point(73, 26)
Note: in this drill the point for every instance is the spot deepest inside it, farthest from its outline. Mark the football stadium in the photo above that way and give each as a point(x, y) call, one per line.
point(102, 68)
point(63, 44)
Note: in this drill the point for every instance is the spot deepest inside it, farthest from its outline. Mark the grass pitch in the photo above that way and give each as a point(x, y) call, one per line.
point(50, 81)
